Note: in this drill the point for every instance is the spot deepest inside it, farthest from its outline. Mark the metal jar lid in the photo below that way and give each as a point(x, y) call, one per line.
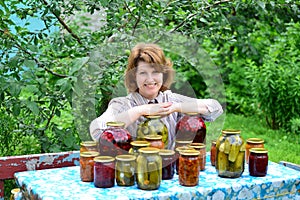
point(140, 143)
point(255, 140)
point(231, 131)
point(104, 159)
point(166, 152)
point(258, 150)
point(89, 154)
point(189, 152)
point(149, 150)
point(125, 157)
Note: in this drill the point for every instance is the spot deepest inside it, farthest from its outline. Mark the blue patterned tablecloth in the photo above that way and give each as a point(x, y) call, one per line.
point(64, 183)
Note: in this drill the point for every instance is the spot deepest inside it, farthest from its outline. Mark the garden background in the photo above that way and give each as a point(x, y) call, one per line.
point(62, 61)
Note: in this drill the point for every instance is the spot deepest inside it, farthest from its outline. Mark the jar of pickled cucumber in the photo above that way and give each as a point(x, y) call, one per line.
point(202, 156)
point(168, 163)
point(153, 125)
point(230, 157)
point(104, 171)
point(86, 161)
point(149, 168)
point(253, 143)
point(136, 145)
point(88, 146)
point(155, 141)
point(114, 140)
point(191, 127)
point(189, 167)
point(125, 170)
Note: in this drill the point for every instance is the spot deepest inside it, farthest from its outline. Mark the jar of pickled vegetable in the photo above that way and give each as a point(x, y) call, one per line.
point(125, 170)
point(213, 152)
point(155, 141)
point(86, 161)
point(114, 140)
point(88, 146)
point(189, 167)
point(177, 154)
point(202, 149)
point(149, 169)
point(104, 171)
point(153, 125)
point(253, 143)
point(230, 159)
point(136, 145)
point(168, 163)
point(258, 162)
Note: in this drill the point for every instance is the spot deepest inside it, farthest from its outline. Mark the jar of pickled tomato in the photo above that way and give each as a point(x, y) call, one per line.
point(87, 165)
point(213, 152)
point(202, 149)
point(88, 146)
point(189, 167)
point(155, 141)
point(253, 143)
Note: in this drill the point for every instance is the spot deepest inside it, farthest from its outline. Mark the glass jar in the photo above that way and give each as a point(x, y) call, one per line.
point(168, 163)
point(125, 170)
point(155, 141)
point(189, 167)
point(191, 127)
point(88, 146)
point(153, 125)
point(104, 171)
point(213, 151)
point(114, 140)
point(86, 161)
point(149, 169)
point(177, 154)
point(230, 158)
point(202, 149)
point(258, 162)
point(253, 143)
point(136, 145)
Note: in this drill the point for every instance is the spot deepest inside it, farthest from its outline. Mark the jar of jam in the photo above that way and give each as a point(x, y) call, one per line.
point(191, 127)
point(253, 143)
point(88, 146)
point(153, 125)
point(104, 171)
point(189, 167)
point(115, 140)
point(258, 162)
point(202, 149)
point(149, 169)
point(177, 154)
point(168, 163)
point(86, 161)
point(213, 152)
point(125, 170)
point(136, 145)
point(155, 141)
point(230, 159)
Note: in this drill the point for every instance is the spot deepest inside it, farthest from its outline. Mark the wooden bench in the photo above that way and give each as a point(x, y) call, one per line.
point(12, 164)
point(290, 165)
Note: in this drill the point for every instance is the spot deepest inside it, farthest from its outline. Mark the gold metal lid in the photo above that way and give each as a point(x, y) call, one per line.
point(125, 157)
point(88, 154)
point(153, 116)
point(189, 152)
point(183, 148)
point(104, 159)
point(88, 143)
point(197, 145)
point(183, 141)
point(121, 124)
point(255, 140)
point(192, 113)
point(231, 131)
point(149, 150)
point(153, 137)
point(140, 143)
point(166, 152)
point(258, 150)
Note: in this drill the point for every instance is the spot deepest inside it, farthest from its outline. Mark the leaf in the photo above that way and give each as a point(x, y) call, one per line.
point(32, 106)
point(78, 64)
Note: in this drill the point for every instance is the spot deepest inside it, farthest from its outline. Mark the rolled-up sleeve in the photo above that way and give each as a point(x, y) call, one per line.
point(214, 107)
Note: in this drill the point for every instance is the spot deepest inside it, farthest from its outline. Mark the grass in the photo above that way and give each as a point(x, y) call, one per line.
point(281, 145)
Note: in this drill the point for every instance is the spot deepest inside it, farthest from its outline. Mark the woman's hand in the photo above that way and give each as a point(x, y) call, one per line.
point(157, 109)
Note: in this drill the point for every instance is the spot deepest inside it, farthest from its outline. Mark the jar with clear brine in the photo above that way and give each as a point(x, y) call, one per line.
point(114, 140)
point(125, 170)
point(86, 161)
point(230, 157)
point(189, 168)
point(104, 171)
point(191, 127)
point(153, 125)
point(149, 169)
point(253, 143)
point(136, 145)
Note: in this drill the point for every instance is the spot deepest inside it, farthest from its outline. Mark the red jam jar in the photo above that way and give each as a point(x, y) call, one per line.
point(88, 146)
point(191, 127)
point(104, 171)
point(202, 149)
point(213, 152)
point(86, 161)
point(258, 162)
point(189, 167)
point(155, 141)
point(253, 143)
point(168, 163)
point(114, 140)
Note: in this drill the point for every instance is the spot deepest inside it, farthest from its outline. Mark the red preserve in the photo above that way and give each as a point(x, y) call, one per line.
point(104, 171)
point(258, 162)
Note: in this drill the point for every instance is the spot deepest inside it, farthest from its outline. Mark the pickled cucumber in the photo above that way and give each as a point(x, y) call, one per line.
point(234, 150)
point(222, 162)
point(239, 162)
point(154, 177)
point(142, 175)
point(227, 146)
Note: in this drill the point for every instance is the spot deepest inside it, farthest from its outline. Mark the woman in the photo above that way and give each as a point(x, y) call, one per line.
point(148, 77)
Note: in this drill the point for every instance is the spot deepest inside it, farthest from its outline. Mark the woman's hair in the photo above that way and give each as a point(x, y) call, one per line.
point(154, 55)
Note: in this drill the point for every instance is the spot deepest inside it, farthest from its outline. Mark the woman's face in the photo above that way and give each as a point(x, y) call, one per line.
point(148, 80)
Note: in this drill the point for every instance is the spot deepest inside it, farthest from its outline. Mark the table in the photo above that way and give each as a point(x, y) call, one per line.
point(64, 183)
